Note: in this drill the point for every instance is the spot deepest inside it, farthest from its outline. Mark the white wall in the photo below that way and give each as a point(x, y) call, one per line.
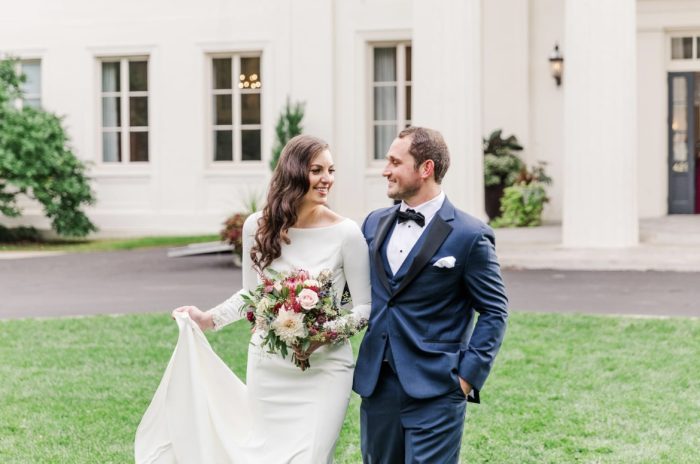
point(506, 69)
point(546, 103)
point(652, 165)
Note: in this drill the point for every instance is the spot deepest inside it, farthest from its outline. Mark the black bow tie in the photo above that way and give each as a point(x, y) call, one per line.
point(411, 215)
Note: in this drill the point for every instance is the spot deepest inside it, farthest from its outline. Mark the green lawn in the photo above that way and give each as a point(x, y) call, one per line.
point(108, 244)
point(565, 388)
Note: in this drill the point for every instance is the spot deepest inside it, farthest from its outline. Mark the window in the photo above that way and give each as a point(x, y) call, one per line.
point(124, 103)
point(391, 94)
point(236, 92)
point(685, 48)
point(31, 88)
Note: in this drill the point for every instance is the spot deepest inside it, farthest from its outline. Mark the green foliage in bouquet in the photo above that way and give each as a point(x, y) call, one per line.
point(522, 203)
point(288, 126)
point(501, 161)
point(37, 162)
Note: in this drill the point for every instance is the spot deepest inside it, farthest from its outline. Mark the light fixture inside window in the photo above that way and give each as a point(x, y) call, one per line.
point(556, 64)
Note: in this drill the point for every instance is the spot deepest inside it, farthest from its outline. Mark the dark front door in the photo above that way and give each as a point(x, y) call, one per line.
point(683, 109)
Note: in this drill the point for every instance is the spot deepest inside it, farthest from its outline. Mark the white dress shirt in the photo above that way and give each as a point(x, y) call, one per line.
point(406, 234)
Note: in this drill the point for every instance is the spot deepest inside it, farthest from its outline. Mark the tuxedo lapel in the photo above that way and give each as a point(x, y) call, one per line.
point(437, 232)
point(383, 228)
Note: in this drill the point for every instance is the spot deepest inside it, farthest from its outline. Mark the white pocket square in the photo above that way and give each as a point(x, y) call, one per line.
point(447, 262)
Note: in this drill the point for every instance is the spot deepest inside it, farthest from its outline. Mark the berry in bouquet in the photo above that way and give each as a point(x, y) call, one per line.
point(295, 309)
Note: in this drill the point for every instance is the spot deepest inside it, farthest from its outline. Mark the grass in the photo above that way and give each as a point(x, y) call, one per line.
point(108, 244)
point(565, 389)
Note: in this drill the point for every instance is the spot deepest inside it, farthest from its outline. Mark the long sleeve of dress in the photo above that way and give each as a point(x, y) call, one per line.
point(356, 268)
point(229, 311)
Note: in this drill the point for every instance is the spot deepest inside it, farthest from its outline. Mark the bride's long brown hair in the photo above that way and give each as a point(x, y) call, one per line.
point(289, 184)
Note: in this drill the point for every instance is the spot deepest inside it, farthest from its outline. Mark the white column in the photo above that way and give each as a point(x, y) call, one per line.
point(447, 90)
point(600, 168)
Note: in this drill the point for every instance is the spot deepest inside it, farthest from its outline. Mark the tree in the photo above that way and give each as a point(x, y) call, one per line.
point(288, 126)
point(37, 161)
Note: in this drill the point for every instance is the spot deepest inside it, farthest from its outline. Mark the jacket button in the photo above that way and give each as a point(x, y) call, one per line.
point(384, 335)
point(391, 303)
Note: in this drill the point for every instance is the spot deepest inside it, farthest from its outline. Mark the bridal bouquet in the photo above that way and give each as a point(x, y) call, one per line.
point(293, 310)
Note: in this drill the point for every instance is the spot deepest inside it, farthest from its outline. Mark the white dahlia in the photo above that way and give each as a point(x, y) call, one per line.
point(289, 325)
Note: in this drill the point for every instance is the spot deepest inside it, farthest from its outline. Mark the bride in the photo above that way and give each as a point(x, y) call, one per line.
point(201, 411)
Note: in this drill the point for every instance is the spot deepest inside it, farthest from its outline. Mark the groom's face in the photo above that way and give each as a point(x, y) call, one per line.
point(403, 179)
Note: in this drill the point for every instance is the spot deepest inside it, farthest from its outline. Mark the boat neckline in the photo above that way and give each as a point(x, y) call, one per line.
point(321, 227)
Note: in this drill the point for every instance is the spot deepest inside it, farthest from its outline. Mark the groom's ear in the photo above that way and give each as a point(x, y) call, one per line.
point(427, 169)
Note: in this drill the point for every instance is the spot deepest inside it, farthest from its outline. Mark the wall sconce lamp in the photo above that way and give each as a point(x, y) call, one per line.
point(556, 64)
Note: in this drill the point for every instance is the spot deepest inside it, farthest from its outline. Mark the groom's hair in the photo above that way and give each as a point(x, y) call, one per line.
point(428, 144)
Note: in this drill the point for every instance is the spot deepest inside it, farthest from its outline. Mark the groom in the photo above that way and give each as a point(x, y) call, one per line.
point(432, 268)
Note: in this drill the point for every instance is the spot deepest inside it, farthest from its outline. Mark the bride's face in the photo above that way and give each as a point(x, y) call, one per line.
point(321, 176)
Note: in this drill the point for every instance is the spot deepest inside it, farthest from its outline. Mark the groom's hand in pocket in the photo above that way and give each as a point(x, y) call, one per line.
point(466, 388)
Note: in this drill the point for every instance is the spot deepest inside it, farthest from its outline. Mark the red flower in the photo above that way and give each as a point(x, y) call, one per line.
point(294, 304)
point(251, 316)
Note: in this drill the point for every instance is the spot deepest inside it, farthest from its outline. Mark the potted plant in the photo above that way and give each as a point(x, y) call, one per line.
point(523, 202)
point(501, 168)
point(232, 233)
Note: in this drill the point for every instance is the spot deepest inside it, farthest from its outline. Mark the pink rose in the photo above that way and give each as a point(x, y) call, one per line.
point(307, 298)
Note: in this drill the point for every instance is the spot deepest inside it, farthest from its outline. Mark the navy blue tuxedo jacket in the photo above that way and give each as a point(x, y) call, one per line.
point(427, 313)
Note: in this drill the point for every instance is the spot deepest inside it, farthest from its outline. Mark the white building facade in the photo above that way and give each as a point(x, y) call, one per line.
point(174, 104)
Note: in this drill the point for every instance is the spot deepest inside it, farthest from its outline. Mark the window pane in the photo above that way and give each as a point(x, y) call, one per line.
point(408, 102)
point(679, 123)
point(111, 147)
point(221, 73)
point(138, 146)
point(32, 72)
point(385, 103)
point(681, 48)
point(250, 141)
point(250, 109)
point(111, 112)
point(223, 145)
point(222, 110)
point(138, 111)
point(385, 64)
point(383, 136)
point(32, 102)
point(110, 77)
point(408, 63)
point(250, 73)
point(138, 75)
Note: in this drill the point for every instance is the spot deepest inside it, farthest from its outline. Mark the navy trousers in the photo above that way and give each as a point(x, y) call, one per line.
point(399, 429)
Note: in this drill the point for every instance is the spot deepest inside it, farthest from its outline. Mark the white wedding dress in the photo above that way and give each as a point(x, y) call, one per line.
point(202, 413)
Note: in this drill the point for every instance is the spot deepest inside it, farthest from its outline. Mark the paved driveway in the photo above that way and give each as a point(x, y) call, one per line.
point(113, 282)
point(147, 280)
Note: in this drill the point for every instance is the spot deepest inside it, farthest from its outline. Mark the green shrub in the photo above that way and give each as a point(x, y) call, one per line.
point(19, 234)
point(501, 161)
point(288, 126)
point(521, 205)
point(36, 161)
